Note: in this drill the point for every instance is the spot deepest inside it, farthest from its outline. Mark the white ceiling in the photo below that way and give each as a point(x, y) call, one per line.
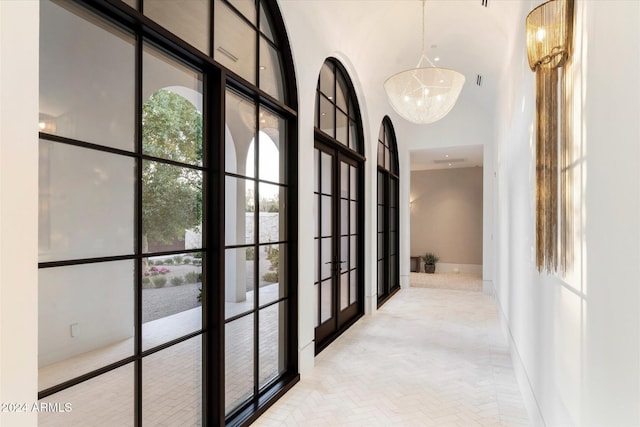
point(383, 37)
point(447, 158)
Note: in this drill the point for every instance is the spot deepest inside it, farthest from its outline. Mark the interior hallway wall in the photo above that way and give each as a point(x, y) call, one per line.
point(446, 214)
point(576, 337)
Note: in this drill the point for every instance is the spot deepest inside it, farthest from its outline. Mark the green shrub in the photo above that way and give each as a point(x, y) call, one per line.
point(187, 261)
point(197, 255)
point(191, 277)
point(168, 261)
point(270, 277)
point(178, 259)
point(273, 255)
point(250, 254)
point(151, 262)
point(146, 283)
point(199, 294)
point(197, 262)
point(159, 281)
point(177, 281)
point(157, 262)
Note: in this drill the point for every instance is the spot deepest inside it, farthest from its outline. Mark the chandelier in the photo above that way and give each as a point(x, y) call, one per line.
point(424, 94)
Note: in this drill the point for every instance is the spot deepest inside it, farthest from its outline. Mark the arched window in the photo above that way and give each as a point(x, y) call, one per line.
point(166, 220)
point(339, 205)
point(388, 222)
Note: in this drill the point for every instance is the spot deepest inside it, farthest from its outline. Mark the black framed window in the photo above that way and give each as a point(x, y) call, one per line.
point(144, 244)
point(339, 205)
point(388, 220)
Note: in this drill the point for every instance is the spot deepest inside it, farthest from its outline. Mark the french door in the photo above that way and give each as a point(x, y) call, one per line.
point(338, 246)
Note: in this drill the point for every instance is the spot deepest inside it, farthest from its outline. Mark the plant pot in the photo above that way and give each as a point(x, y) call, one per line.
point(430, 268)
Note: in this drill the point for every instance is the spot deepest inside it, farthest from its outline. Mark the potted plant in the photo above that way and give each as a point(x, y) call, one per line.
point(430, 260)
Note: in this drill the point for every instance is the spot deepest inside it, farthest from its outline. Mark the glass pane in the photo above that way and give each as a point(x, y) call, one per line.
point(85, 319)
point(353, 294)
point(326, 172)
point(326, 258)
point(326, 304)
point(353, 179)
point(187, 19)
point(171, 206)
point(381, 278)
point(272, 148)
point(344, 291)
point(273, 342)
point(240, 131)
point(326, 116)
point(78, 190)
point(327, 82)
point(239, 211)
point(265, 25)
point(380, 217)
point(172, 109)
point(393, 260)
point(238, 359)
point(381, 188)
point(272, 215)
point(344, 217)
point(342, 128)
point(103, 401)
point(172, 385)
point(239, 267)
point(270, 70)
point(381, 252)
point(326, 217)
point(234, 42)
point(341, 92)
point(393, 242)
point(380, 155)
point(272, 277)
point(344, 253)
point(393, 218)
point(171, 297)
point(354, 144)
point(246, 7)
point(344, 180)
point(86, 93)
point(353, 250)
point(393, 195)
point(316, 213)
point(353, 212)
point(381, 133)
point(386, 158)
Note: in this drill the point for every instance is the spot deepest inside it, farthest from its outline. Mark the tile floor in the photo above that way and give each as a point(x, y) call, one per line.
point(429, 357)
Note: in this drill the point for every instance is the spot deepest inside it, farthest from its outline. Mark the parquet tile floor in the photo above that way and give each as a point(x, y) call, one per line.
point(428, 357)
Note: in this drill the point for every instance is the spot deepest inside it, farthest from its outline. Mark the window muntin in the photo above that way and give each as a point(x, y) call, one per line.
point(168, 71)
point(388, 279)
point(336, 112)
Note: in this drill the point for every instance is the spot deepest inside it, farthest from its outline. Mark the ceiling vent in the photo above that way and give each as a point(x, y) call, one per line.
point(479, 80)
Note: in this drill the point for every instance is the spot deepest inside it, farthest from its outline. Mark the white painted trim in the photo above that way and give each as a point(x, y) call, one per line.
point(524, 383)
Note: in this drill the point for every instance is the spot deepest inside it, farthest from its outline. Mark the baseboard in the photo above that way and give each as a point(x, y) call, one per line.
point(524, 384)
point(487, 287)
point(306, 357)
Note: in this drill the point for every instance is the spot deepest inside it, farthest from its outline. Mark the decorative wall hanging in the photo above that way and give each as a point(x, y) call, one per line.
point(549, 36)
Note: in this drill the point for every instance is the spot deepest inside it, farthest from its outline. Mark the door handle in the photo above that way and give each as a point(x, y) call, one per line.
point(335, 262)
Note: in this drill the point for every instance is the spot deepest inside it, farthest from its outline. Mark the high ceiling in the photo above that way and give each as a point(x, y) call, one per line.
point(383, 37)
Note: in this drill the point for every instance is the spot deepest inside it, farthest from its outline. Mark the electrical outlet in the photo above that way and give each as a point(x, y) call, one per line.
point(75, 330)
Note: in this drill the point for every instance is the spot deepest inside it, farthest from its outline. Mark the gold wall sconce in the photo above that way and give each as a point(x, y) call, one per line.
point(549, 41)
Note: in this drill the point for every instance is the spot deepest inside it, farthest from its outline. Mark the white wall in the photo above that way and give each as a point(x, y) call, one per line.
point(575, 339)
point(18, 208)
